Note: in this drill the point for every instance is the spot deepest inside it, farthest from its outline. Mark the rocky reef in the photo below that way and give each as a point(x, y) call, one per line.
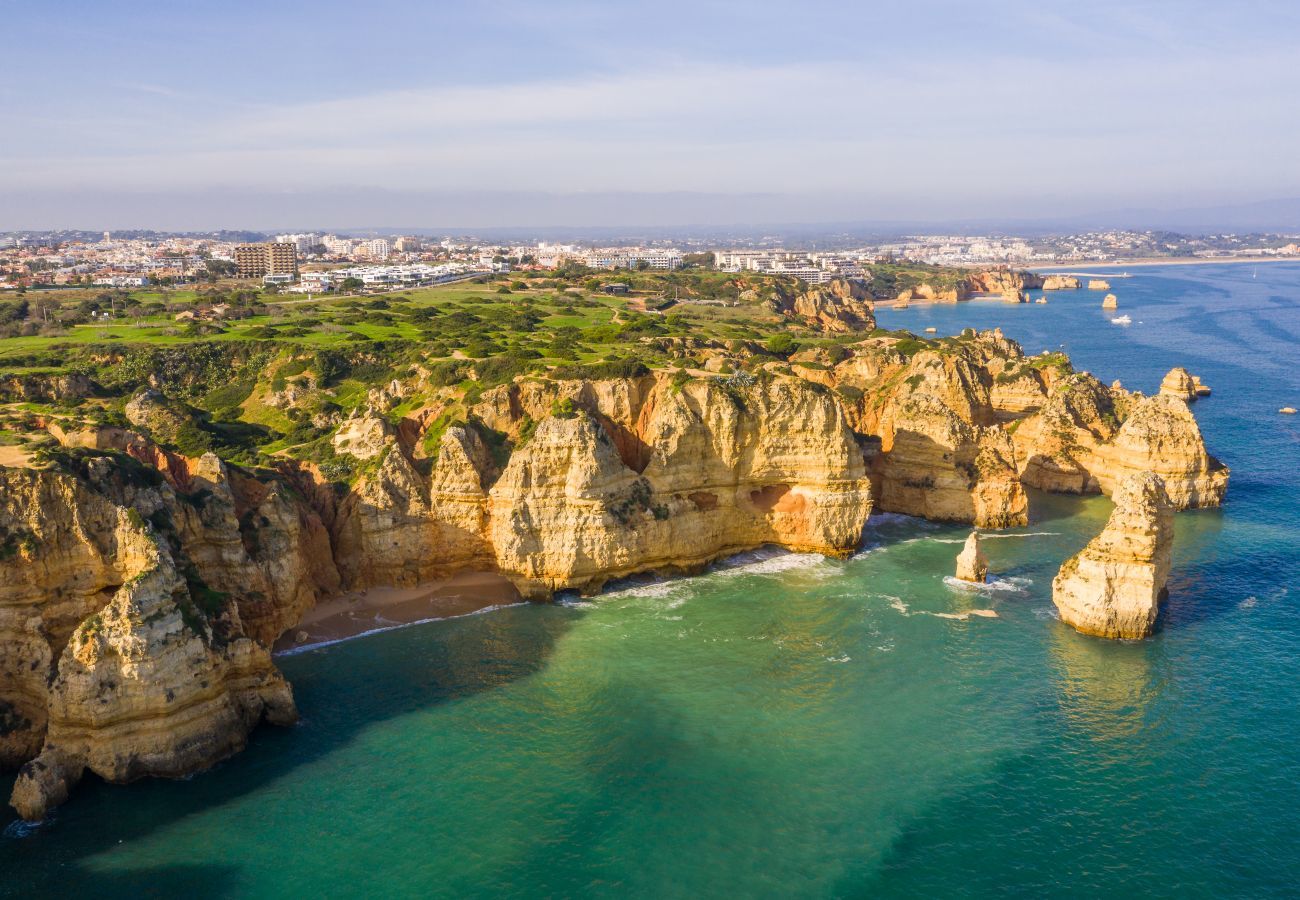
point(1113, 587)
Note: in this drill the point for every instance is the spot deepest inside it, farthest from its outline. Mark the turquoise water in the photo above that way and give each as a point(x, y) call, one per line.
point(793, 726)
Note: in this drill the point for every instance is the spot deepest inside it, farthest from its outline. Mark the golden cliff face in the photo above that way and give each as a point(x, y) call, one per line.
point(1088, 437)
point(109, 661)
point(640, 476)
point(943, 455)
point(141, 588)
point(1113, 587)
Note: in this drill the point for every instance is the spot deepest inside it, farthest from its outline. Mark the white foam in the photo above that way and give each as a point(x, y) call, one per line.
point(1007, 585)
point(19, 829)
point(963, 616)
point(786, 562)
point(993, 537)
point(898, 604)
point(293, 651)
point(839, 659)
point(654, 591)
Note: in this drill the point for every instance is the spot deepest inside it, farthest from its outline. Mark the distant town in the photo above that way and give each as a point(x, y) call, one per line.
point(312, 263)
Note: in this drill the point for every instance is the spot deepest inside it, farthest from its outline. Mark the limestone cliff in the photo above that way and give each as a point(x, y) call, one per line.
point(942, 454)
point(1007, 282)
point(637, 477)
point(839, 305)
point(1179, 383)
point(1088, 437)
point(125, 565)
point(108, 661)
point(1113, 587)
point(1060, 283)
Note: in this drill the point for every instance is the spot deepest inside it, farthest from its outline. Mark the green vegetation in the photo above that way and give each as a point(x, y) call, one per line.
point(266, 377)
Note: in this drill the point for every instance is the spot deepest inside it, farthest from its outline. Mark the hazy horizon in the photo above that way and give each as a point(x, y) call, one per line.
point(654, 115)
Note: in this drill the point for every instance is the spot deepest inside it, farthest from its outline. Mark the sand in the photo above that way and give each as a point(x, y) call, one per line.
point(377, 609)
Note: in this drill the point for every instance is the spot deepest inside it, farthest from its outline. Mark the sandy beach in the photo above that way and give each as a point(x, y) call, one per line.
point(377, 609)
point(1067, 268)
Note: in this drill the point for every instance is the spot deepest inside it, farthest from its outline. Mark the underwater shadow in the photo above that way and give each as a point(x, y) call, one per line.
point(189, 881)
point(341, 690)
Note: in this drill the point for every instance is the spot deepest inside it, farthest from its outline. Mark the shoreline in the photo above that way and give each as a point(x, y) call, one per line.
point(1157, 261)
point(359, 613)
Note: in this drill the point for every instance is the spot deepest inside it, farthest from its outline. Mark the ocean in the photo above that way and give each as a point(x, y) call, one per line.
point(791, 726)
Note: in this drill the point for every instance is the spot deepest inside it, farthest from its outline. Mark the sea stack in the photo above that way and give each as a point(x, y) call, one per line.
point(972, 564)
point(1110, 302)
point(1179, 383)
point(1098, 284)
point(1060, 283)
point(1113, 587)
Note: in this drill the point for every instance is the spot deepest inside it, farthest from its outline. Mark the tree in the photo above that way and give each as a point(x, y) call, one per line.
point(780, 344)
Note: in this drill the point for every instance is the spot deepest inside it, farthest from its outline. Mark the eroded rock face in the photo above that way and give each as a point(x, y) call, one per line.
point(1088, 437)
point(365, 436)
point(1060, 283)
point(726, 472)
point(1178, 383)
point(972, 564)
point(1007, 282)
point(108, 661)
point(840, 305)
point(943, 457)
point(1113, 587)
point(555, 484)
point(1160, 435)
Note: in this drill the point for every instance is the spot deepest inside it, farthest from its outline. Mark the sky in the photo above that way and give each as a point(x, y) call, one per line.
point(503, 113)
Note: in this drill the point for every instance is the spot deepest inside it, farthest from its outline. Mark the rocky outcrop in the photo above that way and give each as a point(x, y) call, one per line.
point(1160, 435)
point(1110, 301)
point(365, 435)
point(1179, 383)
point(972, 564)
point(1060, 283)
point(1113, 587)
point(1098, 284)
point(629, 476)
point(927, 291)
point(163, 419)
point(1088, 437)
point(1007, 282)
point(111, 661)
point(839, 305)
point(943, 457)
point(399, 528)
point(728, 468)
point(44, 388)
point(126, 565)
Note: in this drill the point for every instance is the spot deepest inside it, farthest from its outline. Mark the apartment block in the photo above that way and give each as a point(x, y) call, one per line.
point(259, 260)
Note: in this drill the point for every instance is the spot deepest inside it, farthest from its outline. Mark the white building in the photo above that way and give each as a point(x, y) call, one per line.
point(303, 243)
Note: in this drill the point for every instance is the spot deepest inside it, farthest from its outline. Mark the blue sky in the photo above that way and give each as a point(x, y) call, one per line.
point(502, 112)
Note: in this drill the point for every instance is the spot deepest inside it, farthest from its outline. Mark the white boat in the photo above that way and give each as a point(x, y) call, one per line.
point(1122, 320)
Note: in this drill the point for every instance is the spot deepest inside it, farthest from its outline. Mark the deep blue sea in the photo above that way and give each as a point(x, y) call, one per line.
point(789, 726)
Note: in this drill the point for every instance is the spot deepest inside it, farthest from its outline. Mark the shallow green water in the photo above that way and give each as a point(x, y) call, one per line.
point(793, 726)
